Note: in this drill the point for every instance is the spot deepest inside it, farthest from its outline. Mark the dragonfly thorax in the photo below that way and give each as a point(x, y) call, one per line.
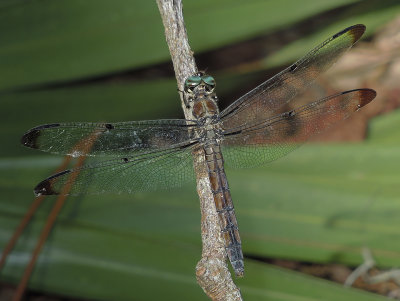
point(200, 95)
point(204, 107)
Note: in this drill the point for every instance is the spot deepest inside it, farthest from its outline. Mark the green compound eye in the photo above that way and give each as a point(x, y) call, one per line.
point(192, 82)
point(209, 80)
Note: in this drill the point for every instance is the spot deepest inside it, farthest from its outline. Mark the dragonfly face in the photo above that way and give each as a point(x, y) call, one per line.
point(253, 130)
point(200, 81)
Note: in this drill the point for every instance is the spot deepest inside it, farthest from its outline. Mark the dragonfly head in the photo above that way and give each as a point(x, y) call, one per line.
point(200, 82)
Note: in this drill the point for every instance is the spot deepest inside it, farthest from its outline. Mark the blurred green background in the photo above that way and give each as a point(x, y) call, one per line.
point(108, 61)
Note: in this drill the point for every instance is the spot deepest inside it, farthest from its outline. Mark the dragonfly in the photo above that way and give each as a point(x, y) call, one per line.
point(255, 129)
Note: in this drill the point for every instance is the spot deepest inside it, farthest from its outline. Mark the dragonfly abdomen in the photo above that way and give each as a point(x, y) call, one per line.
point(224, 207)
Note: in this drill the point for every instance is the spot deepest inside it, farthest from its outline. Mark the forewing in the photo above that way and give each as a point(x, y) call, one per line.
point(264, 101)
point(110, 139)
point(153, 170)
point(261, 142)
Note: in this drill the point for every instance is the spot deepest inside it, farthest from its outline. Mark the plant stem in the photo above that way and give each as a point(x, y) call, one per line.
point(212, 270)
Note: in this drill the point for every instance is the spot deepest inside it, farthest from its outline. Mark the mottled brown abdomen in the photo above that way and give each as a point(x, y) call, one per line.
point(224, 206)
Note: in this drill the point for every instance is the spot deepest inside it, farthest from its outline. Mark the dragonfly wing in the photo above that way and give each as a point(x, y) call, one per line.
point(158, 169)
point(261, 142)
point(110, 139)
point(264, 101)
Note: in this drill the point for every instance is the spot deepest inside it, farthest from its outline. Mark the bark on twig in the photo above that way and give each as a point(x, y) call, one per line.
point(212, 270)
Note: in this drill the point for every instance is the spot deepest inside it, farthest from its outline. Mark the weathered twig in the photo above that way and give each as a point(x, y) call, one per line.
point(363, 269)
point(368, 264)
point(212, 271)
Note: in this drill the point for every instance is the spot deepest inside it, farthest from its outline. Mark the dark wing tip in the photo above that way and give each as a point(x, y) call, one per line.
point(46, 187)
point(30, 138)
point(355, 31)
point(365, 96)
